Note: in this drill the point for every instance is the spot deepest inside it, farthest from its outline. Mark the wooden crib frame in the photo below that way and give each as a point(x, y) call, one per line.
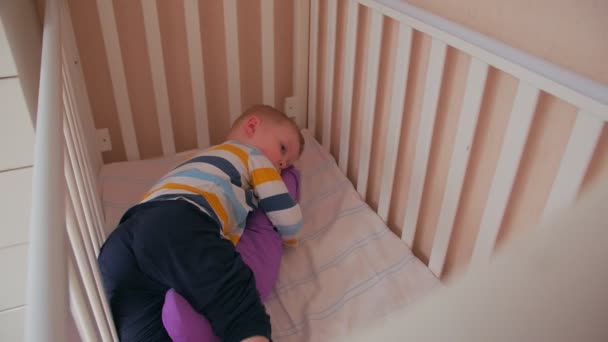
point(67, 160)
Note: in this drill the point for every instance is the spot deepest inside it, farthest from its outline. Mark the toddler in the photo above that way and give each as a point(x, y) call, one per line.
point(183, 233)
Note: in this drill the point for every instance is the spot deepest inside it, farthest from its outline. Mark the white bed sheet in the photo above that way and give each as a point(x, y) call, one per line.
point(349, 268)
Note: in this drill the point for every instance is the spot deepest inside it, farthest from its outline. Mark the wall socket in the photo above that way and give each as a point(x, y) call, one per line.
point(290, 106)
point(103, 140)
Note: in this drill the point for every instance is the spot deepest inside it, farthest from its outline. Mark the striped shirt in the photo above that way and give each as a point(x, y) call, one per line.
point(228, 181)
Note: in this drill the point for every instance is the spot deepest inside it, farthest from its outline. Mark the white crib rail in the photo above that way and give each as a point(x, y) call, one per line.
point(47, 286)
point(535, 76)
point(66, 206)
point(553, 79)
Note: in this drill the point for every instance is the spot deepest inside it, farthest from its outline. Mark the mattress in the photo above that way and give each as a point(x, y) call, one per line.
point(349, 268)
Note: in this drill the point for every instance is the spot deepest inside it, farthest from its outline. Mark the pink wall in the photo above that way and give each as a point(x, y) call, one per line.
point(129, 19)
point(569, 33)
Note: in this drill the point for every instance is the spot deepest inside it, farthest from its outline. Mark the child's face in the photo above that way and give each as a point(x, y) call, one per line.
point(279, 142)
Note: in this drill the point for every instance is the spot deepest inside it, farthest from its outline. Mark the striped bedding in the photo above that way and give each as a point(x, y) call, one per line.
point(349, 268)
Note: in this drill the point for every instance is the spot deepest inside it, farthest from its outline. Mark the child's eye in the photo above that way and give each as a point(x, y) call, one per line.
point(283, 148)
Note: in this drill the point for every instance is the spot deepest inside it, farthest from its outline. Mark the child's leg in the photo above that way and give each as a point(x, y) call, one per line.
point(260, 248)
point(181, 248)
point(134, 299)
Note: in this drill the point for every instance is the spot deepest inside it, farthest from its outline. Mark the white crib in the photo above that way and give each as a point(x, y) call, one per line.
point(351, 89)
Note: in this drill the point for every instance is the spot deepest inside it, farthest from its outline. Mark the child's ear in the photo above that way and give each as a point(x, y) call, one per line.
point(251, 125)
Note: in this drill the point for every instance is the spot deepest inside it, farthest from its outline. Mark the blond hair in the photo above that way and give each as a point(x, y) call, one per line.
point(268, 113)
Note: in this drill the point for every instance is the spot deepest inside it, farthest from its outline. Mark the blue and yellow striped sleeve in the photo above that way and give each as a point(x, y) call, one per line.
point(275, 200)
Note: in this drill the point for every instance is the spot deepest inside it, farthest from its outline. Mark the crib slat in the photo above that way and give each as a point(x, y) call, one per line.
point(87, 265)
point(73, 113)
point(85, 240)
point(75, 185)
point(75, 218)
point(119, 80)
point(579, 152)
point(197, 72)
point(82, 294)
point(76, 156)
point(330, 51)
point(72, 118)
point(425, 136)
point(369, 100)
point(400, 76)
point(506, 170)
point(348, 82)
point(77, 88)
point(97, 223)
point(232, 58)
point(159, 80)
point(312, 71)
point(79, 234)
point(71, 156)
point(473, 96)
point(300, 59)
point(73, 193)
point(267, 15)
point(80, 307)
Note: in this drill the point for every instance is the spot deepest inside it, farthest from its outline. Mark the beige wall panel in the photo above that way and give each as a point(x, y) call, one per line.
point(545, 147)
point(251, 53)
point(570, 33)
point(177, 70)
point(13, 267)
point(16, 129)
point(214, 62)
point(132, 37)
point(7, 63)
point(283, 47)
point(15, 201)
point(421, 45)
point(23, 45)
point(390, 29)
point(97, 74)
point(12, 324)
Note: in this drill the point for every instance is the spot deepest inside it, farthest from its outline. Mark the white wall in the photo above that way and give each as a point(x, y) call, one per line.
point(16, 156)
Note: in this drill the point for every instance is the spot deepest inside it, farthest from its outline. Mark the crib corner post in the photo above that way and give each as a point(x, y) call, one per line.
point(47, 276)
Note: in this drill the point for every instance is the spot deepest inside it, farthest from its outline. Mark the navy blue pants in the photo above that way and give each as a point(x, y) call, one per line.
point(171, 244)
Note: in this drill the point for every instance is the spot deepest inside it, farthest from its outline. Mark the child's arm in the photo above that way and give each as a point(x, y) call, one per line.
point(274, 199)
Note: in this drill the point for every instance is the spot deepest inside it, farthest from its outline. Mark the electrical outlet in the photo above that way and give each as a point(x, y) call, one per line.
point(290, 106)
point(103, 140)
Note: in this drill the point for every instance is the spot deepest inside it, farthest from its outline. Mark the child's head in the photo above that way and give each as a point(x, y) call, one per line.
point(270, 131)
